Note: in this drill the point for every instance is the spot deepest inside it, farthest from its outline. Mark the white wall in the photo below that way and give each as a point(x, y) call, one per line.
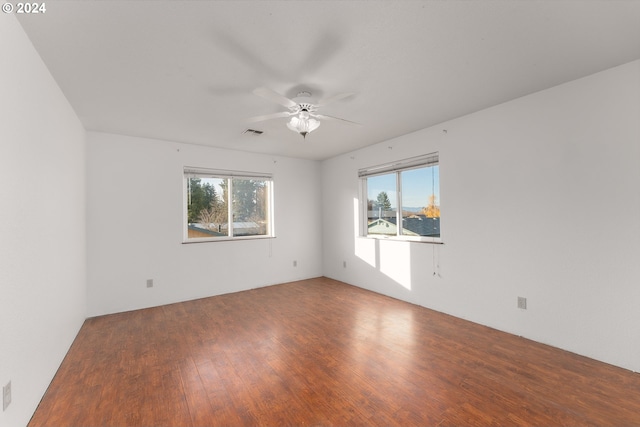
point(135, 221)
point(540, 199)
point(42, 224)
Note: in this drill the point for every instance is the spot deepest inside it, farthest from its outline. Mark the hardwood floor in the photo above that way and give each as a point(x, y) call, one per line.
point(320, 352)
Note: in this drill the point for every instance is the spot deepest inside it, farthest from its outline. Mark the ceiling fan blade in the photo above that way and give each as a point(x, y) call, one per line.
point(319, 53)
point(325, 117)
point(246, 54)
point(333, 99)
point(275, 97)
point(269, 116)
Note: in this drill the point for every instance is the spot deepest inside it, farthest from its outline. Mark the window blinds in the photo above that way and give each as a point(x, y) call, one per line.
point(410, 163)
point(193, 172)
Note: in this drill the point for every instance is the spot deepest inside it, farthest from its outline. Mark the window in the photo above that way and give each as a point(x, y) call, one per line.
point(213, 197)
point(402, 199)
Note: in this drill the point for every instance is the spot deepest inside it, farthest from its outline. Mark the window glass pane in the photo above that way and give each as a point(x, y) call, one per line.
point(250, 207)
point(207, 208)
point(421, 202)
point(382, 205)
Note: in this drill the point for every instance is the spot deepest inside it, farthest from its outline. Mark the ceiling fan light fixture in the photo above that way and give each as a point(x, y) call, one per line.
point(303, 123)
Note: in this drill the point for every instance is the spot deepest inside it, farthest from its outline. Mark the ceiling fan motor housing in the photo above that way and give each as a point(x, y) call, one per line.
point(304, 101)
point(306, 107)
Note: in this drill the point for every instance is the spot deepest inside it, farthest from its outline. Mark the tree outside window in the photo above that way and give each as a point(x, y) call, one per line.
point(209, 207)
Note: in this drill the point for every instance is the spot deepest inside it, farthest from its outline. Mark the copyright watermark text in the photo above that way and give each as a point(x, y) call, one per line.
point(27, 8)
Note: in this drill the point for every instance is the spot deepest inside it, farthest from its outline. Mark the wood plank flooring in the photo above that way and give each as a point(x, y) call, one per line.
point(319, 352)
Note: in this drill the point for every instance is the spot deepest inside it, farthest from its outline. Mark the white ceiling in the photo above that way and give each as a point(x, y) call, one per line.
point(185, 70)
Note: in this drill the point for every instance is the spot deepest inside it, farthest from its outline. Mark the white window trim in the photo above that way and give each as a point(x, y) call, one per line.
point(192, 172)
point(396, 167)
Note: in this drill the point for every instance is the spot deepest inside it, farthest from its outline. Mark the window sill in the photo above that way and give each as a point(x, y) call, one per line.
point(226, 239)
point(432, 240)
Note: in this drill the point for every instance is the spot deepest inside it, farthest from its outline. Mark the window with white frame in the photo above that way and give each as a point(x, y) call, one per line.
point(402, 199)
point(225, 205)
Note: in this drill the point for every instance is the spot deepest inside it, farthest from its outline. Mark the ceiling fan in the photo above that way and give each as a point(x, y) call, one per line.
point(303, 110)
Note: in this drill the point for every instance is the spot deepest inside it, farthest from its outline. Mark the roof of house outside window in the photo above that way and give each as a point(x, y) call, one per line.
point(415, 225)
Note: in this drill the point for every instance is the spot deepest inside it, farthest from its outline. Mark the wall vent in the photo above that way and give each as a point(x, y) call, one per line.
point(253, 132)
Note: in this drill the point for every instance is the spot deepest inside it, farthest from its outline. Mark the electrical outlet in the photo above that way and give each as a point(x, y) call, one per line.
point(344, 264)
point(522, 303)
point(295, 263)
point(149, 283)
point(6, 396)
